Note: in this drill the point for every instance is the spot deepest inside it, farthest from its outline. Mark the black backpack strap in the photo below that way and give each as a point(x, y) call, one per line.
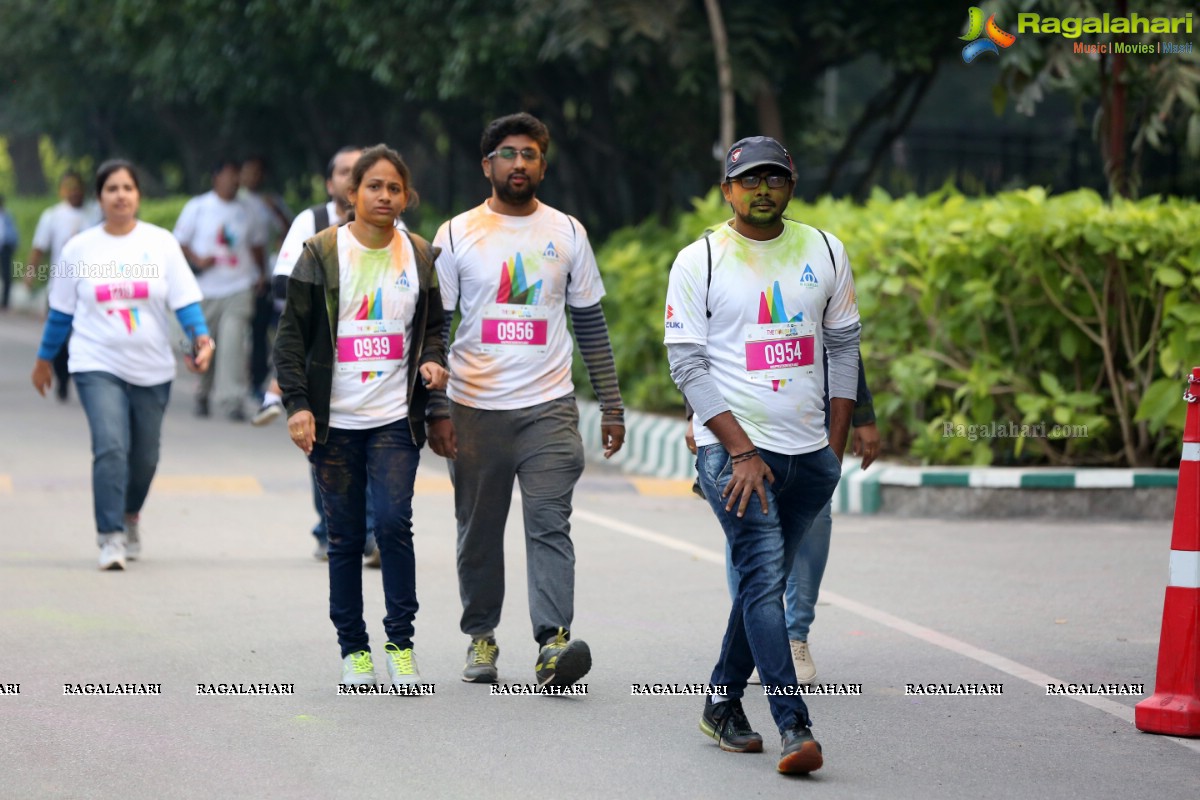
point(450, 232)
point(422, 248)
point(708, 284)
point(829, 247)
point(320, 216)
point(832, 261)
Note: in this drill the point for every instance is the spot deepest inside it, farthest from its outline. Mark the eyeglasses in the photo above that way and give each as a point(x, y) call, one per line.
point(510, 154)
point(773, 181)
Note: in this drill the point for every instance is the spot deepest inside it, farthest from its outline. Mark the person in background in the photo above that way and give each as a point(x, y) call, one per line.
point(275, 217)
point(10, 240)
point(223, 238)
point(55, 228)
point(121, 355)
point(307, 223)
point(359, 348)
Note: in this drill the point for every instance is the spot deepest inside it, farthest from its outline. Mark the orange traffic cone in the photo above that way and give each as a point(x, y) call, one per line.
point(1174, 708)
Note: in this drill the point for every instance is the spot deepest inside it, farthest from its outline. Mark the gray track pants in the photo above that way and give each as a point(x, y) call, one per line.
point(540, 447)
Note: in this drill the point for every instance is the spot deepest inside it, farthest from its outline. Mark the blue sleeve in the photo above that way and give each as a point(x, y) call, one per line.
point(191, 319)
point(58, 326)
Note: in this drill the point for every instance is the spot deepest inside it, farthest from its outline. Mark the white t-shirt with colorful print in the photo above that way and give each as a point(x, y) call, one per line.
point(377, 300)
point(121, 290)
point(225, 230)
point(770, 302)
point(512, 277)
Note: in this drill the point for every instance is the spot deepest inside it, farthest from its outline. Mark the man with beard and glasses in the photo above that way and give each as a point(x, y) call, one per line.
point(513, 266)
point(749, 307)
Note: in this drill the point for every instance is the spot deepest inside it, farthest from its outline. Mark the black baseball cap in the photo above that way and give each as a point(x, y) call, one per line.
point(757, 151)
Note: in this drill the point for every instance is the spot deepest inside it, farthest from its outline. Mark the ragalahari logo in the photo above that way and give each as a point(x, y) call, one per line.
point(995, 38)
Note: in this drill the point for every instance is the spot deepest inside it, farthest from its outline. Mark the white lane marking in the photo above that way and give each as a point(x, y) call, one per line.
point(927, 635)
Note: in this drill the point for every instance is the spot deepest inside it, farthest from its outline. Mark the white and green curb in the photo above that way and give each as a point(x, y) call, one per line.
point(655, 447)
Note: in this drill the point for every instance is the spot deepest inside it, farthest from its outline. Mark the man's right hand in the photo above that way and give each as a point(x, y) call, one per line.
point(443, 440)
point(748, 479)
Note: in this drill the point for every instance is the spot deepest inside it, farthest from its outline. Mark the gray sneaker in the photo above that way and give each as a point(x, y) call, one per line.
point(401, 665)
point(266, 414)
point(482, 654)
point(133, 542)
point(112, 551)
point(358, 669)
point(321, 551)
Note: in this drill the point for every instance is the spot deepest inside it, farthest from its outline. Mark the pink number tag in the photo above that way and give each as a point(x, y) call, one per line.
point(795, 351)
point(515, 332)
point(374, 347)
point(122, 290)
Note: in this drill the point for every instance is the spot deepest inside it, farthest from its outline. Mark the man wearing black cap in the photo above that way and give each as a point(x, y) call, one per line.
point(749, 309)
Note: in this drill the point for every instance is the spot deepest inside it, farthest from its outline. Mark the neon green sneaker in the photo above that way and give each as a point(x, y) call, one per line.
point(358, 669)
point(401, 665)
point(481, 660)
point(563, 661)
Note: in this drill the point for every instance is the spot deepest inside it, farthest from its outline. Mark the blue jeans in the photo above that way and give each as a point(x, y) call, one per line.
point(763, 548)
point(343, 465)
point(126, 425)
point(804, 579)
point(321, 530)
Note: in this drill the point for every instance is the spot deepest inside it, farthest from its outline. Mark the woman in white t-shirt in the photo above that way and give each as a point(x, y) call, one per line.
point(115, 286)
point(358, 349)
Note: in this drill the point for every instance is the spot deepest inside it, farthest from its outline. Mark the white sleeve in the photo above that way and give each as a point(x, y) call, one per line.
point(303, 228)
point(63, 291)
point(447, 267)
point(842, 311)
point(185, 226)
point(42, 234)
point(585, 286)
point(685, 318)
point(182, 289)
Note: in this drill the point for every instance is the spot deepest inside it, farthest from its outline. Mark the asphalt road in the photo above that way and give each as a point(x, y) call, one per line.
point(227, 592)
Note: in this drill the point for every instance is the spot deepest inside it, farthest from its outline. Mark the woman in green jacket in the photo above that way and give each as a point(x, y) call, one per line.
point(358, 349)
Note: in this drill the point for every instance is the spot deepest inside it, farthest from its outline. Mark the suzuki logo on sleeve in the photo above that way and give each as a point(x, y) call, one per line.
point(672, 324)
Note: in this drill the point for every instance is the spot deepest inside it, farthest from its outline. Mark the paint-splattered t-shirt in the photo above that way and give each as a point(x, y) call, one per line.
point(377, 300)
point(225, 230)
point(770, 302)
point(512, 277)
point(121, 290)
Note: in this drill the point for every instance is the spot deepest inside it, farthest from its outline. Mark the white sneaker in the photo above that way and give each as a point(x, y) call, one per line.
point(358, 669)
point(806, 670)
point(402, 665)
point(112, 551)
point(133, 543)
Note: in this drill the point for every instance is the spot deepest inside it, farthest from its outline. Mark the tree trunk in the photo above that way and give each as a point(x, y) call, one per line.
point(716, 25)
point(770, 118)
point(27, 165)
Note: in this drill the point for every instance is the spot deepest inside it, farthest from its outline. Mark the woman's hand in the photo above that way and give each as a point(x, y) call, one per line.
point(689, 437)
point(302, 427)
point(205, 347)
point(43, 375)
point(434, 375)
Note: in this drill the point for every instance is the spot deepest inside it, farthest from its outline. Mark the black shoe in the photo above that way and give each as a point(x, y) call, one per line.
point(236, 415)
point(801, 752)
point(562, 662)
point(726, 722)
point(201, 407)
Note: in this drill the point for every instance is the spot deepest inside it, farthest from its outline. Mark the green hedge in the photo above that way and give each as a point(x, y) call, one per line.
point(27, 210)
point(1019, 309)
